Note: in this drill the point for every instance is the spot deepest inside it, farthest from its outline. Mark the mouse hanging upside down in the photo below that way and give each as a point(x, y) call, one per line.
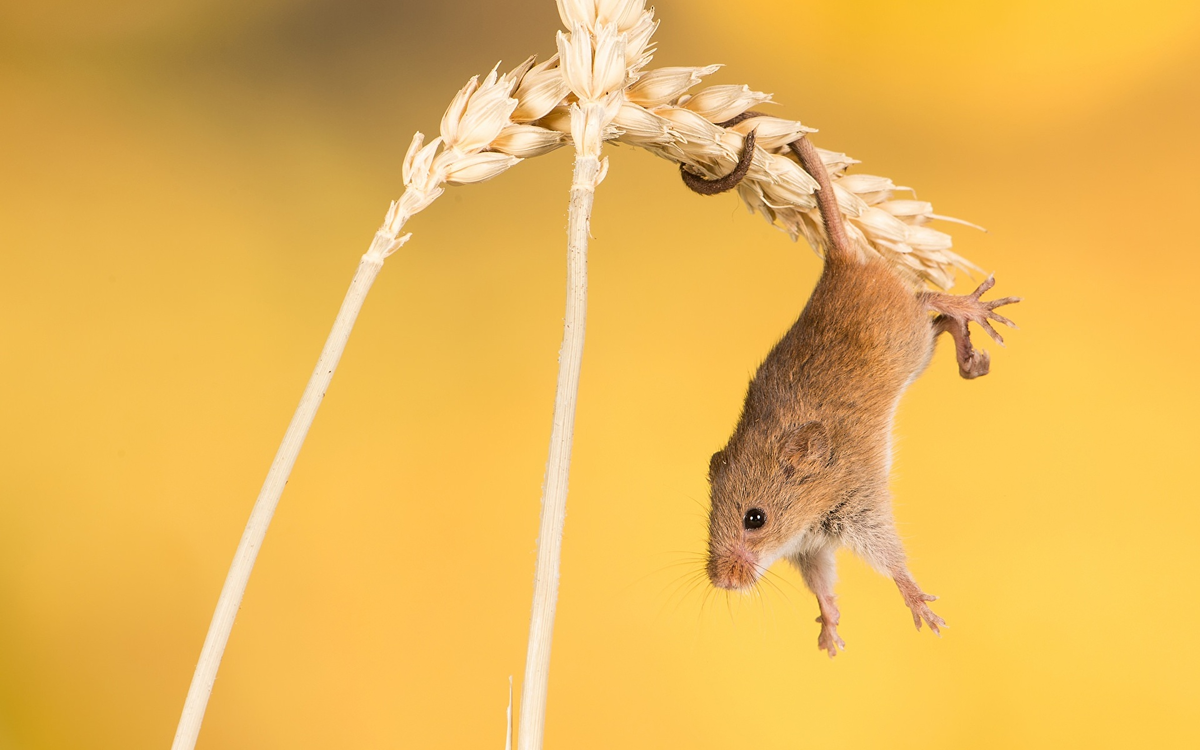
point(806, 470)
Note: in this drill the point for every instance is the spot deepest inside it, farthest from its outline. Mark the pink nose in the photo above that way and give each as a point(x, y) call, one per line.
point(732, 569)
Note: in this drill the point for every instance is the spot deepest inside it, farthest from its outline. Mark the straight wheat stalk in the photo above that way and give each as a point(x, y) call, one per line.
point(558, 465)
point(605, 45)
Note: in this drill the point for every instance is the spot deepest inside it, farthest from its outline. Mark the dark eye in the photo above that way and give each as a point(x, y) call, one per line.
point(754, 519)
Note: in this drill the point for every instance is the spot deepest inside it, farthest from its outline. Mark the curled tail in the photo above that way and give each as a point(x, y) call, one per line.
point(838, 244)
point(842, 216)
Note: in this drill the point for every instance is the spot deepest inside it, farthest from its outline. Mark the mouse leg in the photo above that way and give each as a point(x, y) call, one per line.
point(972, 363)
point(916, 599)
point(955, 311)
point(875, 540)
point(819, 570)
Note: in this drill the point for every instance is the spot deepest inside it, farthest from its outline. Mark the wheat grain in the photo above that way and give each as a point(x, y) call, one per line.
point(484, 132)
point(598, 70)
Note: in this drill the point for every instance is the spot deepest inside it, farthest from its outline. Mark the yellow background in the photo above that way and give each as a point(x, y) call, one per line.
point(186, 187)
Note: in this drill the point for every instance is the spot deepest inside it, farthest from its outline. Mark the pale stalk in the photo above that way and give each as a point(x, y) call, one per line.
point(268, 498)
point(508, 714)
point(587, 175)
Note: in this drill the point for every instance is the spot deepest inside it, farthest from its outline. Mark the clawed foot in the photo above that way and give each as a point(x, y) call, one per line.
point(979, 312)
point(829, 640)
point(916, 601)
point(956, 311)
point(975, 363)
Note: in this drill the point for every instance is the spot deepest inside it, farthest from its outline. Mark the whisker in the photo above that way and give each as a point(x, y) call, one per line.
point(790, 585)
point(709, 593)
point(702, 506)
point(666, 568)
point(696, 585)
point(682, 587)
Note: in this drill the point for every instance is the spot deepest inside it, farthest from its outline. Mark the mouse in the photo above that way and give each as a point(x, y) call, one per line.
point(806, 469)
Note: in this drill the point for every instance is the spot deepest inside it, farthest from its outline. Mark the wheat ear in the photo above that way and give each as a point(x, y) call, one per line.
point(706, 135)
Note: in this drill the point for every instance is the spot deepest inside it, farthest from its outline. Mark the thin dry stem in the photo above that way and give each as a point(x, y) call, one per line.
point(264, 508)
point(508, 718)
point(477, 116)
point(587, 175)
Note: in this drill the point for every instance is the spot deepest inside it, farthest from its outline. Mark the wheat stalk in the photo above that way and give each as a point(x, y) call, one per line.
point(608, 43)
point(478, 140)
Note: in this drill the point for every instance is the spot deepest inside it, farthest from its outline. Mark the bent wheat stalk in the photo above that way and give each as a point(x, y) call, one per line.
point(264, 508)
point(476, 132)
point(558, 463)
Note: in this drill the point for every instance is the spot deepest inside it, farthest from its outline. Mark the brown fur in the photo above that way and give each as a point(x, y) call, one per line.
point(813, 446)
point(812, 450)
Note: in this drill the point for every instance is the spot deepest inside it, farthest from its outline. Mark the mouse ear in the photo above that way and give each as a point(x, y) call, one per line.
point(807, 447)
point(717, 459)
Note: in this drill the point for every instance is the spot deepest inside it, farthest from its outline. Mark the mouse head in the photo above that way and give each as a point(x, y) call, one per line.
point(763, 489)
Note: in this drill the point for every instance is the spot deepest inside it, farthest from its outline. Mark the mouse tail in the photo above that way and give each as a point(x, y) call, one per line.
point(838, 246)
point(722, 145)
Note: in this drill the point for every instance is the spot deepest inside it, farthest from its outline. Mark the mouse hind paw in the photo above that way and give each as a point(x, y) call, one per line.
point(980, 311)
point(975, 363)
point(954, 312)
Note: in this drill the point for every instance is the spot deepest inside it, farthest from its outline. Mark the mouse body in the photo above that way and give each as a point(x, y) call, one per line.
point(806, 469)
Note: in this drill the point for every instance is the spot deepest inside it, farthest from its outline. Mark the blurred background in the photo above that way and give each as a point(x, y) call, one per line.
point(185, 191)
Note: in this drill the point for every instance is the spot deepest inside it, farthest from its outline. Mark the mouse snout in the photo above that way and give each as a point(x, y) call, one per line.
point(733, 568)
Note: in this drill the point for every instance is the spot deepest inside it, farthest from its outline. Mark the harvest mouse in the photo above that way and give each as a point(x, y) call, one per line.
point(806, 470)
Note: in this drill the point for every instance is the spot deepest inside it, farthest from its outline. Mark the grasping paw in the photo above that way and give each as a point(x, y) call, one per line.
point(954, 312)
point(921, 611)
point(829, 640)
point(980, 312)
point(916, 600)
point(974, 364)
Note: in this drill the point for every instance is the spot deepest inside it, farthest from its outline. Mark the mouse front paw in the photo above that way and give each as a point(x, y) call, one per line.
point(916, 599)
point(829, 641)
point(921, 611)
